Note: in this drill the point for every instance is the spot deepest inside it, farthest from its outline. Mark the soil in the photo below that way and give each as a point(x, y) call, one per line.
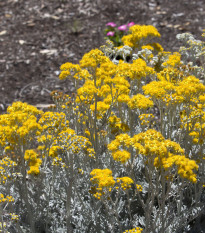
point(37, 36)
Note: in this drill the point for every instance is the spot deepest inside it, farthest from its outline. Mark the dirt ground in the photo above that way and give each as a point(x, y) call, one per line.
point(37, 36)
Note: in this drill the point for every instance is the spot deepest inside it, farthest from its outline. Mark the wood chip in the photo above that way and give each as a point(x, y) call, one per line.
point(161, 12)
point(169, 25)
point(21, 42)
point(8, 15)
point(3, 33)
point(187, 23)
point(48, 51)
point(30, 23)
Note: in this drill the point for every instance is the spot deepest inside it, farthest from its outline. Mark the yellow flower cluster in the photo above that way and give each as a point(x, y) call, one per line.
point(185, 166)
point(58, 162)
point(160, 152)
point(24, 108)
point(140, 101)
point(102, 108)
point(68, 140)
point(69, 69)
point(6, 199)
point(198, 133)
point(139, 34)
point(86, 92)
point(121, 156)
point(125, 182)
point(134, 230)
point(117, 148)
point(136, 70)
point(154, 48)
point(80, 171)
point(103, 179)
point(3, 225)
point(158, 89)
point(119, 142)
point(105, 71)
point(194, 122)
point(54, 125)
point(149, 47)
point(53, 122)
point(190, 87)
point(34, 162)
point(173, 60)
point(54, 150)
point(19, 125)
point(175, 85)
point(139, 187)
point(116, 125)
point(5, 164)
point(3, 175)
point(62, 101)
point(14, 216)
point(170, 74)
point(146, 118)
point(202, 99)
point(93, 59)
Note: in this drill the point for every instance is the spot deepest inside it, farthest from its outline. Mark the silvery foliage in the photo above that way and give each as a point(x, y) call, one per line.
point(113, 53)
point(145, 55)
point(193, 54)
point(179, 211)
point(194, 51)
point(48, 192)
point(47, 195)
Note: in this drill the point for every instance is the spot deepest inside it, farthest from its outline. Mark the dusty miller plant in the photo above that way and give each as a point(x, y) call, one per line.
point(124, 153)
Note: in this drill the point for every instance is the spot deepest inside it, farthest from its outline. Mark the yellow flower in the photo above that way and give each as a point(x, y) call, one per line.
point(121, 156)
point(101, 108)
point(173, 60)
point(139, 187)
point(103, 179)
point(34, 170)
point(140, 101)
point(149, 47)
point(125, 182)
point(134, 230)
point(69, 69)
point(189, 88)
point(34, 161)
point(93, 58)
point(54, 150)
point(158, 89)
point(139, 34)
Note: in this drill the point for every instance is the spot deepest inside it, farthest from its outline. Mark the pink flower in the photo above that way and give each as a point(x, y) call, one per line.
point(111, 24)
point(122, 27)
point(110, 33)
point(130, 24)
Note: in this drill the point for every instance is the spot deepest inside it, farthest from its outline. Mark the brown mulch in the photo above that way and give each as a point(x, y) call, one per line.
point(37, 36)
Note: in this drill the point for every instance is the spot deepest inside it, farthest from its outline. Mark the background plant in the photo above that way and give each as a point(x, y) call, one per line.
point(115, 33)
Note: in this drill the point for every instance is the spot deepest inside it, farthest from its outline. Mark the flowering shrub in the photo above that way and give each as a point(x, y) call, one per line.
point(125, 153)
point(115, 33)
